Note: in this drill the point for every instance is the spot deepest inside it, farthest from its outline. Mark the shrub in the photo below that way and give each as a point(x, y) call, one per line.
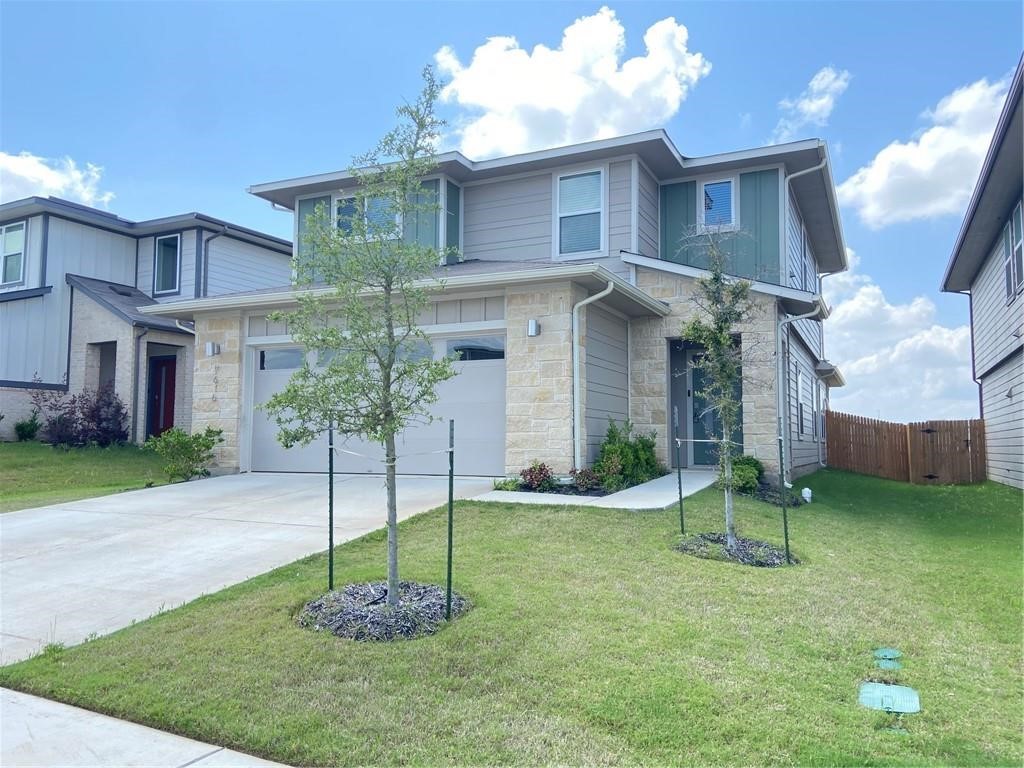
point(626, 459)
point(749, 461)
point(538, 477)
point(744, 478)
point(27, 429)
point(585, 480)
point(98, 417)
point(506, 484)
point(185, 456)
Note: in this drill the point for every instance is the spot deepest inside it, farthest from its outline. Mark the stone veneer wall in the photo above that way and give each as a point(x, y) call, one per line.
point(15, 405)
point(649, 366)
point(538, 403)
point(217, 384)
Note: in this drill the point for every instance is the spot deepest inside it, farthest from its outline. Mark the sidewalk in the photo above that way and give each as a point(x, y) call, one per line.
point(39, 732)
point(655, 494)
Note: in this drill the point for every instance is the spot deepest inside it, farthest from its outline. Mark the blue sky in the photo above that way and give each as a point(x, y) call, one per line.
point(183, 105)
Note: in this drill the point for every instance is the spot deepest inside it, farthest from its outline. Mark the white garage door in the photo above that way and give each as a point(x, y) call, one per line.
point(474, 398)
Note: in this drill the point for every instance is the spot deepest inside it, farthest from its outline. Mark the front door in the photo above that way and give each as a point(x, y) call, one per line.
point(161, 394)
point(705, 424)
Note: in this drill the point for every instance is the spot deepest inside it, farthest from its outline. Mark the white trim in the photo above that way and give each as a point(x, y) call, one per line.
point(602, 211)
point(156, 261)
point(734, 212)
point(24, 252)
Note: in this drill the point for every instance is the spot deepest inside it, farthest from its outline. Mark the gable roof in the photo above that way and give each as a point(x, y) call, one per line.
point(32, 206)
point(999, 185)
point(815, 191)
point(123, 301)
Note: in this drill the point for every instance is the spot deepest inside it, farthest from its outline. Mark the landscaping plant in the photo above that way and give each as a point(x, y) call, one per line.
point(185, 456)
point(27, 429)
point(538, 477)
point(87, 418)
point(585, 480)
point(626, 459)
point(373, 384)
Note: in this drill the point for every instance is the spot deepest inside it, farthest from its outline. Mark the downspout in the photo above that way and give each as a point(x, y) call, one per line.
point(577, 403)
point(974, 366)
point(206, 258)
point(135, 383)
point(781, 368)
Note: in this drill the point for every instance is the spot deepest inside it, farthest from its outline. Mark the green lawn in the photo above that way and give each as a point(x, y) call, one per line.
point(34, 474)
point(592, 641)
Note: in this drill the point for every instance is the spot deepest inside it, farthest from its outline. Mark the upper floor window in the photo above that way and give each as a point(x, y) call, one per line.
point(716, 204)
point(167, 264)
point(1013, 254)
point(580, 212)
point(12, 258)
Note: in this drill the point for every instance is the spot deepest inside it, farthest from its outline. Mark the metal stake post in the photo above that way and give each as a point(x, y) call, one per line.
point(451, 501)
point(679, 482)
point(782, 499)
point(330, 506)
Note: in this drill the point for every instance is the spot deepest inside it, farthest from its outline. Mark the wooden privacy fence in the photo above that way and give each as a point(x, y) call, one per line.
point(924, 452)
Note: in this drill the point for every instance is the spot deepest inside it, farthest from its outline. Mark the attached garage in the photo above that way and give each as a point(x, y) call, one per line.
point(474, 398)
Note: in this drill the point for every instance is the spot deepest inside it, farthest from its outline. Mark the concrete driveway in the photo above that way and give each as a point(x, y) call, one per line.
point(71, 570)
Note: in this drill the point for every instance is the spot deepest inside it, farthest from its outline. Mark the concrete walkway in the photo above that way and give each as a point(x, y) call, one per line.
point(38, 732)
point(94, 566)
point(656, 494)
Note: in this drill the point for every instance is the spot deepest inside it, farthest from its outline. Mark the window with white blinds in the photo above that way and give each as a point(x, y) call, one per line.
point(580, 212)
point(716, 206)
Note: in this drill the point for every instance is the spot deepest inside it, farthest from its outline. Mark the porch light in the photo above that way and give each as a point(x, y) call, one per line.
point(212, 348)
point(533, 327)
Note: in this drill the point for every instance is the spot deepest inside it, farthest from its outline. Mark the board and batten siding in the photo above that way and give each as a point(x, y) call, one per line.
point(800, 262)
point(752, 252)
point(607, 376)
point(648, 239)
point(805, 449)
point(235, 265)
point(1002, 397)
point(995, 321)
point(34, 332)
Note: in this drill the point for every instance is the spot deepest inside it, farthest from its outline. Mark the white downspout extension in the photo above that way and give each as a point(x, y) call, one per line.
point(577, 401)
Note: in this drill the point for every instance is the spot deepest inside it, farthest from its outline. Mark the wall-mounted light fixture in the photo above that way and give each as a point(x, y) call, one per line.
point(533, 328)
point(212, 348)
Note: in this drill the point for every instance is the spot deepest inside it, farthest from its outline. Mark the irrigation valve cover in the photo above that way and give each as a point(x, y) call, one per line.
point(806, 493)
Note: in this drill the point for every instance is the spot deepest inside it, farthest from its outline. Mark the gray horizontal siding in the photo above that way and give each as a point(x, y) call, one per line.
point(620, 207)
point(995, 321)
point(648, 226)
point(804, 448)
point(607, 378)
point(1002, 394)
point(508, 220)
point(235, 266)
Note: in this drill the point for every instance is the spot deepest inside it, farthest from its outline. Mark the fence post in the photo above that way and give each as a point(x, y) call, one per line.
point(910, 456)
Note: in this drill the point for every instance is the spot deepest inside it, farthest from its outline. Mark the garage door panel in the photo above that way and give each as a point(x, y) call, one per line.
point(475, 398)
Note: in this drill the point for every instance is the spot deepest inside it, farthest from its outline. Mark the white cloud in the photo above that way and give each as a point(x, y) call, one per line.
point(813, 107)
point(25, 175)
point(519, 100)
point(899, 363)
point(933, 174)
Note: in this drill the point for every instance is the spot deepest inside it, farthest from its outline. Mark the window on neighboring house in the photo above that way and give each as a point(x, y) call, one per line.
point(716, 206)
point(166, 264)
point(580, 213)
point(12, 260)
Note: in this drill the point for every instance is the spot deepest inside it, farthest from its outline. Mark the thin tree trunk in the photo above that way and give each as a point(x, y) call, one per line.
point(389, 451)
point(730, 525)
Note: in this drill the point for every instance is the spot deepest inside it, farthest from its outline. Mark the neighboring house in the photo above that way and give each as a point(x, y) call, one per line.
point(73, 279)
point(988, 265)
point(566, 307)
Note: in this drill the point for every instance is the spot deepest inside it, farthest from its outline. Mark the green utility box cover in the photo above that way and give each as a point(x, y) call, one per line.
point(888, 664)
point(887, 653)
point(889, 698)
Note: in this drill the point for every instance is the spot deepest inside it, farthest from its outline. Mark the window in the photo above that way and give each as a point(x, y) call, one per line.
point(453, 215)
point(1016, 250)
point(822, 404)
point(305, 212)
point(166, 264)
point(12, 259)
point(716, 205)
point(477, 348)
point(379, 216)
point(284, 359)
point(800, 403)
point(580, 205)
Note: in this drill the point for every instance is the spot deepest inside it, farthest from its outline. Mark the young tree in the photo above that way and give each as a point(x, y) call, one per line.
point(371, 377)
point(723, 305)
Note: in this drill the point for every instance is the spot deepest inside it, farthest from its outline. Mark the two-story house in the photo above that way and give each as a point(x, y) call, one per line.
point(73, 279)
point(577, 266)
point(987, 264)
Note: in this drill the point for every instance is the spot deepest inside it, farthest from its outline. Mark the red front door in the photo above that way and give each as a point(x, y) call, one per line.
point(161, 395)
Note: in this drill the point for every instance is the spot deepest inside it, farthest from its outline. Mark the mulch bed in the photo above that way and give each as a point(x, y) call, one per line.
point(567, 490)
point(769, 494)
point(712, 546)
point(360, 611)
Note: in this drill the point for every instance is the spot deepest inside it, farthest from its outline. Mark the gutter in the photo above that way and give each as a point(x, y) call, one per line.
point(206, 258)
point(135, 384)
point(577, 401)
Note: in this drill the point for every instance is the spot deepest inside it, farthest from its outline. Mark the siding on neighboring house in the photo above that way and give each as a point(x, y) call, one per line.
point(34, 332)
point(995, 321)
point(1002, 395)
point(606, 375)
point(803, 446)
point(648, 239)
point(801, 273)
point(235, 265)
point(187, 278)
point(753, 252)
